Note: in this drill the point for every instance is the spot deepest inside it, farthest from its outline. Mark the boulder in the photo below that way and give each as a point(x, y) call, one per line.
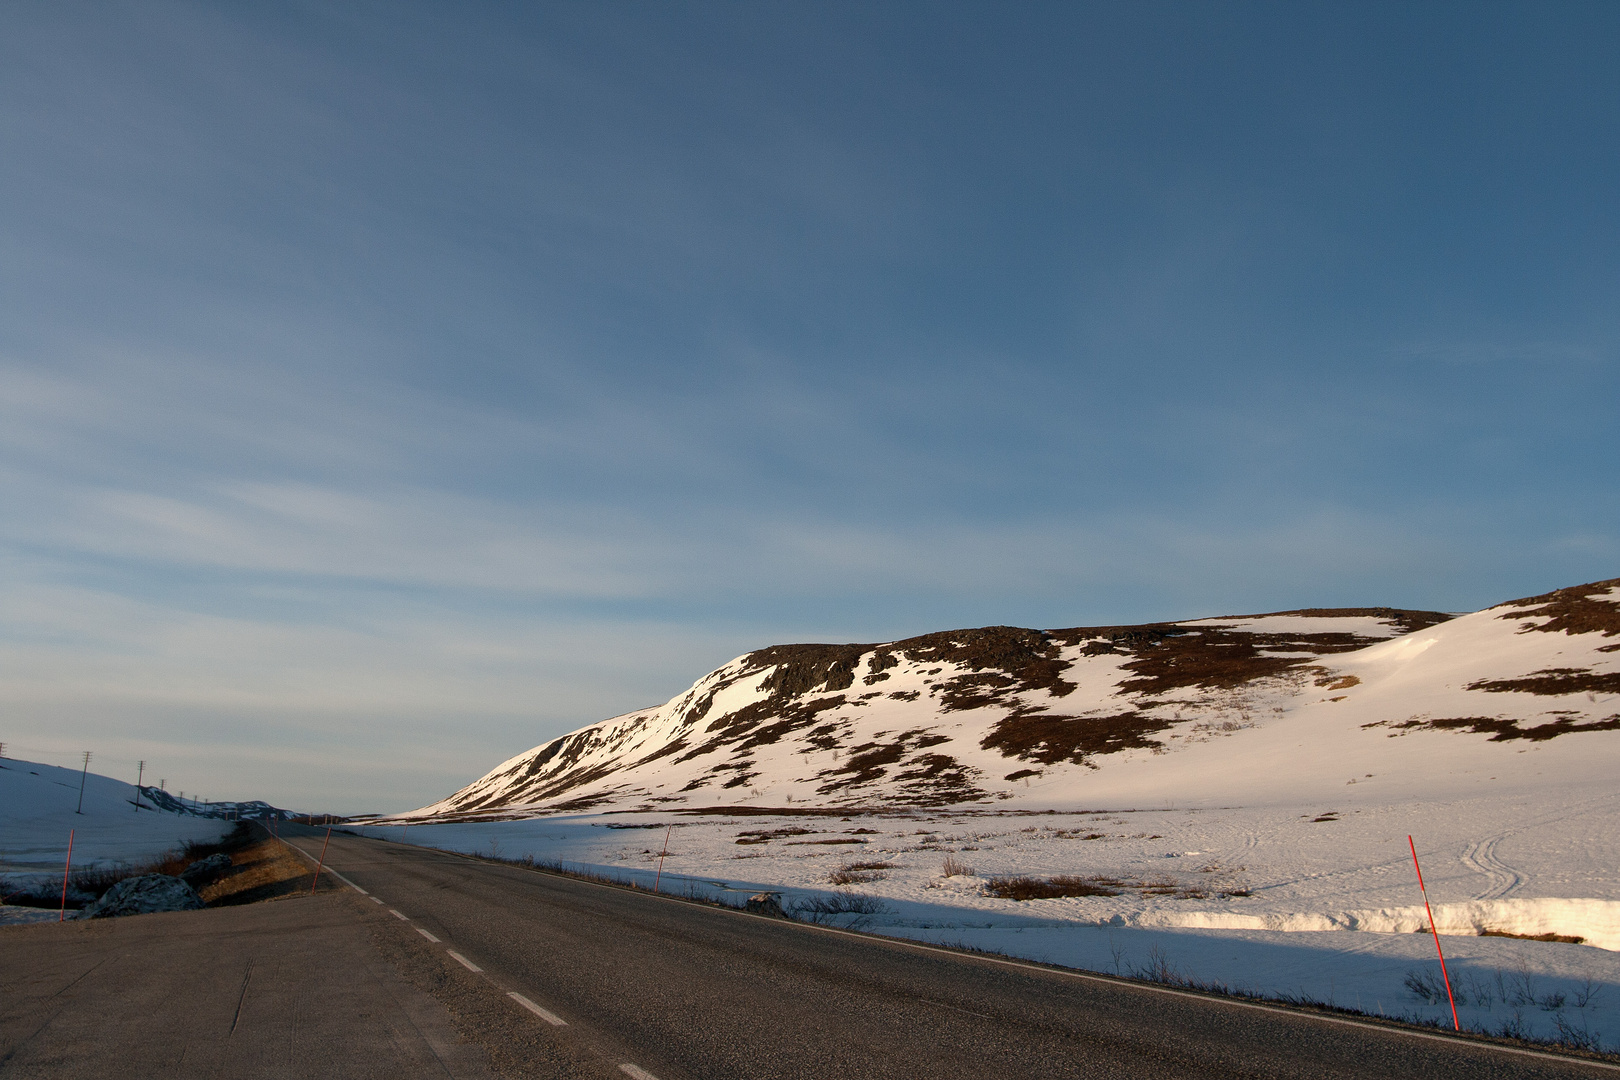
point(766, 903)
point(145, 894)
point(203, 871)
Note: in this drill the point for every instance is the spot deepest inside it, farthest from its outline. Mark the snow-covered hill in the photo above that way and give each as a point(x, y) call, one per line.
point(1268, 707)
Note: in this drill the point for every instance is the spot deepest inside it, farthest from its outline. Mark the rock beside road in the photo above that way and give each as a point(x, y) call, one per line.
point(203, 871)
point(766, 903)
point(144, 895)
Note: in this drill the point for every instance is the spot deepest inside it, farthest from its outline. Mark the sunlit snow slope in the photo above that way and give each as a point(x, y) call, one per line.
point(1248, 707)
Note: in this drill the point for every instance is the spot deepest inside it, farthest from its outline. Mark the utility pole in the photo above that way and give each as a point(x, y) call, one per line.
point(140, 772)
point(82, 778)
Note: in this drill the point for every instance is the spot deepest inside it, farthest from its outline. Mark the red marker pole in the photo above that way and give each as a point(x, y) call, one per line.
point(660, 875)
point(1433, 930)
point(320, 863)
point(62, 915)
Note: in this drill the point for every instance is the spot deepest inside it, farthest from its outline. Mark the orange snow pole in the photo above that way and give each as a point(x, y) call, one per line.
point(62, 915)
point(660, 875)
point(321, 863)
point(1433, 930)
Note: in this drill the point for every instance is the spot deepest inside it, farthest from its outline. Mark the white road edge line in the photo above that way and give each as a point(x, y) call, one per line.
point(397, 915)
point(463, 961)
point(328, 869)
point(636, 1071)
point(549, 1017)
point(427, 935)
point(375, 900)
point(1085, 976)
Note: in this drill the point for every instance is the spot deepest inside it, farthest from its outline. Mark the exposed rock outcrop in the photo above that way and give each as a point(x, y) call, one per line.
point(144, 895)
point(204, 871)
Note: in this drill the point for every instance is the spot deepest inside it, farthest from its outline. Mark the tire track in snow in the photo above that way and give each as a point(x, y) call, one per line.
point(1480, 857)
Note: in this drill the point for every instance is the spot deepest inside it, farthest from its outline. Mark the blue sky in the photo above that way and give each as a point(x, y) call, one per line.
point(386, 388)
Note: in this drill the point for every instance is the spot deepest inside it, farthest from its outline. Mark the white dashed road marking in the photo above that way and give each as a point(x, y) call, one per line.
point(544, 1014)
point(634, 1071)
point(463, 961)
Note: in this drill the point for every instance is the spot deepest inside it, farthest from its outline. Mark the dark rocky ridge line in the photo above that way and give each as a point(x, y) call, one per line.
point(995, 667)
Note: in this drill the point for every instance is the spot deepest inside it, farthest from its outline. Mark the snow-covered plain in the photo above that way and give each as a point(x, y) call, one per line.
point(39, 805)
point(1244, 788)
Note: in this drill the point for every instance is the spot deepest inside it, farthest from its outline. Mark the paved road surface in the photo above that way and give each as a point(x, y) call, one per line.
point(648, 986)
point(294, 988)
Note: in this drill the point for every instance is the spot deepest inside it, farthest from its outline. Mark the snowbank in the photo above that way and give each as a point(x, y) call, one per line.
point(1596, 921)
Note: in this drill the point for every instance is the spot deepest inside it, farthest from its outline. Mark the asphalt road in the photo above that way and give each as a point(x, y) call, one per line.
point(294, 988)
point(621, 983)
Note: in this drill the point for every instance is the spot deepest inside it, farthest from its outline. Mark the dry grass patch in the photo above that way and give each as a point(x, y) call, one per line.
point(264, 870)
point(1024, 887)
point(861, 873)
point(1567, 939)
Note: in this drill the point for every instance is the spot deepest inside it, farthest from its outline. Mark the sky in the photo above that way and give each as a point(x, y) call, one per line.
point(387, 388)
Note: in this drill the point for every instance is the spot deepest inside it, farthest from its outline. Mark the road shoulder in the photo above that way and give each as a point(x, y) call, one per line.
point(297, 987)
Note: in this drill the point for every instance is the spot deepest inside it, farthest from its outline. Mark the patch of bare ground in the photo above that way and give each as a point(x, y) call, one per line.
point(765, 836)
point(930, 779)
point(845, 812)
point(1166, 657)
point(1027, 887)
point(1501, 730)
point(1024, 887)
point(860, 873)
point(262, 869)
point(1567, 939)
point(577, 805)
point(1553, 682)
point(1575, 610)
point(1048, 738)
point(1000, 657)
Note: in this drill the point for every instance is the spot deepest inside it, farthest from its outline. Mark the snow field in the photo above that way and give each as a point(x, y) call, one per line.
point(38, 807)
